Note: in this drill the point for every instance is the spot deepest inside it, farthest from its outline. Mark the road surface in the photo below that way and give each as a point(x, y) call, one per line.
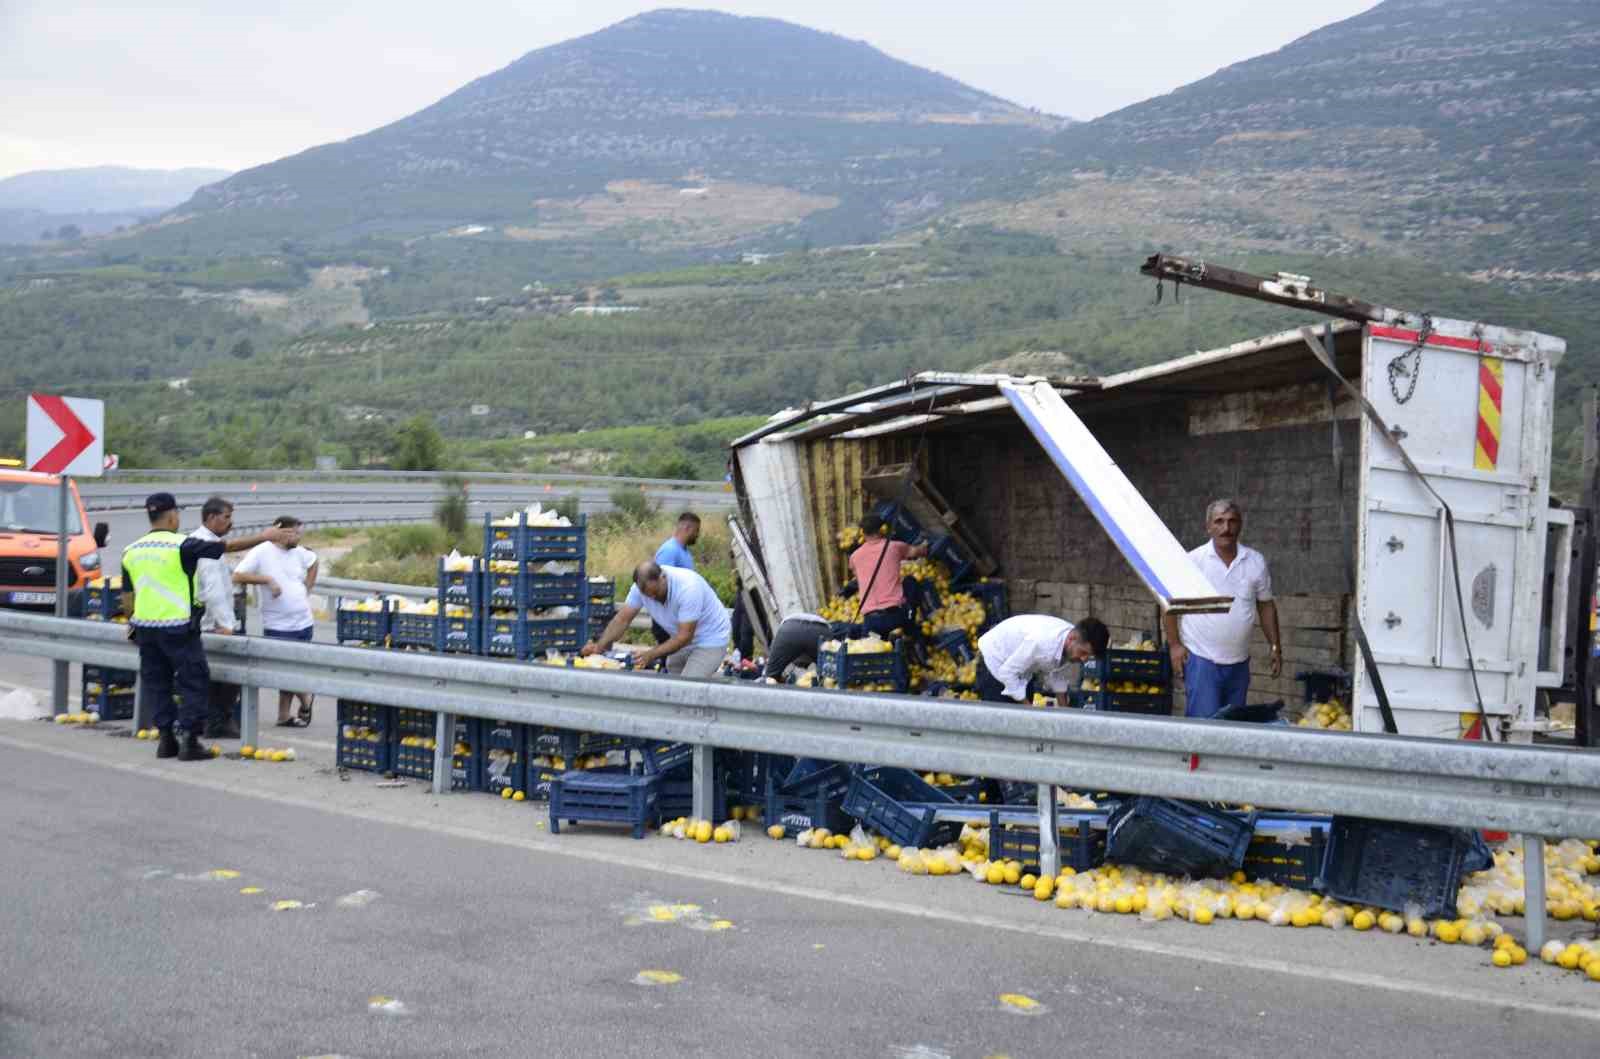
point(457, 924)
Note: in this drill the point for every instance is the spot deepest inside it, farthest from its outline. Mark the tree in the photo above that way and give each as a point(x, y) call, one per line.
point(298, 449)
point(243, 349)
point(451, 511)
point(418, 446)
point(69, 231)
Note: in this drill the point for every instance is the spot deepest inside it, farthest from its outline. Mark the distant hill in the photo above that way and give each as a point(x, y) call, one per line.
point(103, 189)
point(92, 201)
point(673, 129)
point(1464, 131)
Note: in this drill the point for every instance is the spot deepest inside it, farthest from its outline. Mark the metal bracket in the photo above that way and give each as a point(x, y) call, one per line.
point(1391, 619)
point(1394, 544)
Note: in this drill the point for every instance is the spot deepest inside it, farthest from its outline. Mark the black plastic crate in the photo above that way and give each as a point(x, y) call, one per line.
point(413, 630)
point(1391, 865)
point(1080, 840)
point(525, 543)
point(1289, 849)
point(748, 771)
point(947, 550)
point(1141, 667)
point(1159, 705)
point(923, 597)
point(108, 678)
point(365, 736)
point(1320, 685)
point(1179, 838)
point(848, 670)
point(110, 705)
point(458, 635)
point(604, 797)
point(897, 804)
point(902, 525)
point(361, 626)
point(461, 588)
point(810, 795)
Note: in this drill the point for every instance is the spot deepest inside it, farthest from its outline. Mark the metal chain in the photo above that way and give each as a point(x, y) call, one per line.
point(1399, 367)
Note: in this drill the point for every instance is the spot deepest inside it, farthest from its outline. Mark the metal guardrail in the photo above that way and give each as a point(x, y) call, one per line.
point(1535, 791)
point(302, 475)
point(344, 586)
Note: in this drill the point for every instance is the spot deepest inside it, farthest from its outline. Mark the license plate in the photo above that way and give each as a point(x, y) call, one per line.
point(33, 597)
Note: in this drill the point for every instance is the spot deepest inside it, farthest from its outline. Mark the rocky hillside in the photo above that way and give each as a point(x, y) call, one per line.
point(674, 129)
point(1465, 131)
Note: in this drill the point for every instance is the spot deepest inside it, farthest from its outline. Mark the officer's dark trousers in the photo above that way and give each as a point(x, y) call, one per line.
point(174, 660)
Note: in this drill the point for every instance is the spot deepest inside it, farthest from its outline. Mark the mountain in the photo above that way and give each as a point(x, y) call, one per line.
point(39, 204)
point(1461, 131)
point(673, 129)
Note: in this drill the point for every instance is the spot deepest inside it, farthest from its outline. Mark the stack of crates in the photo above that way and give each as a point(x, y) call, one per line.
point(555, 751)
point(451, 633)
point(516, 588)
point(602, 604)
point(505, 756)
point(108, 692)
point(414, 748)
point(1128, 682)
point(365, 736)
point(362, 626)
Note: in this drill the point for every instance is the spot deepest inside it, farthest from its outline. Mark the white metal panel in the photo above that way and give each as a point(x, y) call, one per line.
point(1161, 562)
point(1552, 661)
point(776, 491)
point(1407, 593)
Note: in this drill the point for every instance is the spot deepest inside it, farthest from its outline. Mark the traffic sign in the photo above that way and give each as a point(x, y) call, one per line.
point(66, 435)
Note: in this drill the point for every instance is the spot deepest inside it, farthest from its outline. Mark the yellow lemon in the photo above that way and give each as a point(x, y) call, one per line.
point(1067, 899)
point(1417, 928)
point(1027, 881)
point(1123, 903)
point(1594, 971)
point(1448, 933)
point(721, 834)
point(1044, 887)
point(1201, 915)
point(505, 792)
point(1363, 920)
point(995, 874)
point(245, 751)
point(775, 831)
point(518, 796)
point(1519, 955)
point(702, 831)
point(280, 755)
point(1106, 903)
point(892, 851)
point(1013, 874)
point(1472, 934)
point(1501, 958)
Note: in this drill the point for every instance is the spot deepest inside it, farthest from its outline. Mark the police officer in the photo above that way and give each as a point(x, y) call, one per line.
point(158, 572)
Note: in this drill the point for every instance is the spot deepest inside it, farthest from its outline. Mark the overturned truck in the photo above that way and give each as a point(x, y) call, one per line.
point(1418, 445)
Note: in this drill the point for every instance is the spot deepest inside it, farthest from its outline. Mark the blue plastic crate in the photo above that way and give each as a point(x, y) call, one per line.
point(1392, 865)
point(604, 797)
point(798, 812)
point(101, 602)
point(923, 598)
point(505, 756)
point(415, 758)
point(810, 776)
point(461, 588)
point(599, 617)
point(1289, 849)
point(947, 550)
point(992, 594)
point(748, 771)
point(954, 643)
point(556, 634)
point(505, 589)
point(110, 705)
point(897, 804)
point(458, 635)
point(413, 630)
point(361, 626)
point(540, 780)
point(543, 591)
point(603, 590)
point(504, 637)
point(119, 679)
point(525, 543)
point(1179, 838)
point(658, 758)
point(365, 736)
point(1080, 840)
point(848, 670)
point(902, 526)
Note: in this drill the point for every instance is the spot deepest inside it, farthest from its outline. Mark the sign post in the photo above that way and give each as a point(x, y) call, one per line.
point(66, 438)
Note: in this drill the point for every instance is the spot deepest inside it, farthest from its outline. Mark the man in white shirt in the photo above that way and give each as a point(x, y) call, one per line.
point(1017, 650)
point(684, 604)
point(288, 573)
point(798, 640)
point(213, 588)
point(1213, 650)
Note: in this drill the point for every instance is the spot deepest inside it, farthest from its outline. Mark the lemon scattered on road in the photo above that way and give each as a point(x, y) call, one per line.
point(1019, 1003)
point(248, 890)
point(657, 977)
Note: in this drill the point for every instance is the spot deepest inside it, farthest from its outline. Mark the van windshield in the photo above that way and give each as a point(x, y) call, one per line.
point(28, 507)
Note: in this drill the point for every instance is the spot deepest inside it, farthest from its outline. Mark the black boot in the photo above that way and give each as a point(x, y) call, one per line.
point(194, 749)
point(168, 745)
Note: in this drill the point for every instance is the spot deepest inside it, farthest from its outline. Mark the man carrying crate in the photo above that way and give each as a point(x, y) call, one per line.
point(684, 604)
point(1213, 650)
point(1017, 650)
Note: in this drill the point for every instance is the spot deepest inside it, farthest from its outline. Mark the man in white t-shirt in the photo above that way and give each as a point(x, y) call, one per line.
point(683, 603)
point(286, 573)
point(1030, 647)
point(1213, 650)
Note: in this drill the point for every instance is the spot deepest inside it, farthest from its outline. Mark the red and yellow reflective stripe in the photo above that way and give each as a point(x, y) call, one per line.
point(1491, 382)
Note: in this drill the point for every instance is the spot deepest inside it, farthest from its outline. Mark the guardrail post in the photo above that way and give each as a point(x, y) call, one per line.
point(1049, 830)
point(249, 715)
point(1533, 890)
point(141, 709)
point(705, 772)
point(444, 747)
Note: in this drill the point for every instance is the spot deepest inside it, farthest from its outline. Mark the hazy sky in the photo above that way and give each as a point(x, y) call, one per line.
point(233, 83)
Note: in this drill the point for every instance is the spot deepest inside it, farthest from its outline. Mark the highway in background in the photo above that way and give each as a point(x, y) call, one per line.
point(322, 502)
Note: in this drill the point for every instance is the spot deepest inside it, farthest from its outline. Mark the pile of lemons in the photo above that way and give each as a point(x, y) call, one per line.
point(1568, 890)
point(1331, 715)
point(701, 831)
point(837, 608)
point(1583, 956)
point(421, 741)
point(958, 611)
point(265, 753)
point(850, 538)
point(82, 718)
point(362, 734)
point(928, 571)
point(581, 763)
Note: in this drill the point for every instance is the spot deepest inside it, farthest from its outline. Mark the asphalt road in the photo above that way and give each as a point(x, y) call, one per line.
point(457, 925)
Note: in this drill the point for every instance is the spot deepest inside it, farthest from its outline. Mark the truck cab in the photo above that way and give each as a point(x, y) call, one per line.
point(29, 515)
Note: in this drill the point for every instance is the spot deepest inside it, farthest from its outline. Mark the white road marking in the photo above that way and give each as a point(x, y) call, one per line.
point(1232, 961)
